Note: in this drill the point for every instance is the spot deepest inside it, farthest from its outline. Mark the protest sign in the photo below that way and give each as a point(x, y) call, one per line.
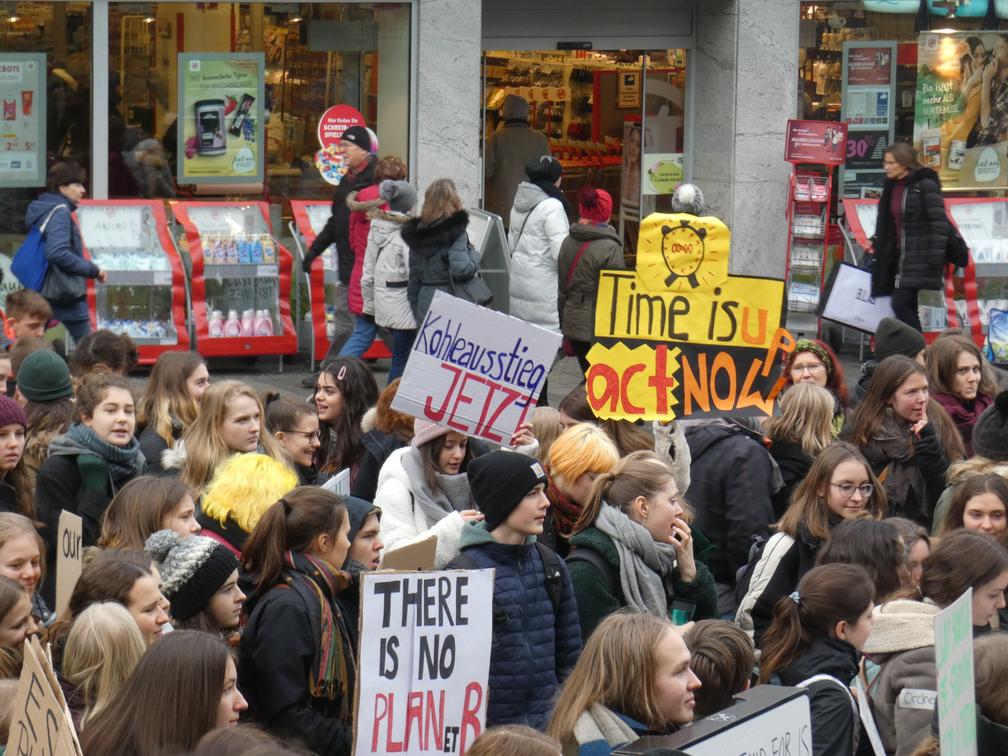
point(339, 483)
point(474, 370)
point(424, 661)
point(68, 558)
point(953, 635)
point(413, 556)
point(680, 336)
point(40, 720)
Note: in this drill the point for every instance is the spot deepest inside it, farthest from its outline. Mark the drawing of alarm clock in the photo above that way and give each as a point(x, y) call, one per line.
point(683, 251)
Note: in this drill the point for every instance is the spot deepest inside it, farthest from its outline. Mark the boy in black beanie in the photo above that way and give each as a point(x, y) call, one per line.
point(536, 635)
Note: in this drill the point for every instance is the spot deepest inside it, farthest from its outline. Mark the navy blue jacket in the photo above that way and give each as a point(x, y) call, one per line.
point(534, 648)
point(63, 249)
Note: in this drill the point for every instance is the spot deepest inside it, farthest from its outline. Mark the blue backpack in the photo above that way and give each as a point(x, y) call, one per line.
point(30, 264)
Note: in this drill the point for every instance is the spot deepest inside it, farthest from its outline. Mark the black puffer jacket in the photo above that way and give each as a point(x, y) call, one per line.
point(437, 251)
point(913, 256)
point(337, 228)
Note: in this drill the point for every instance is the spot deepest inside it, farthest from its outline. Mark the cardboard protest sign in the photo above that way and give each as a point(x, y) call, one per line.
point(680, 336)
point(475, 370)
point(953, 634)
point(339, 483)
point(424, 661)
point(412, 556)
point(40, 720)
point(68, 557)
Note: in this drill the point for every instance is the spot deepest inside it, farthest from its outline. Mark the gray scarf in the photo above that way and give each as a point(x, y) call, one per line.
point(452, 494)
point(646, 566)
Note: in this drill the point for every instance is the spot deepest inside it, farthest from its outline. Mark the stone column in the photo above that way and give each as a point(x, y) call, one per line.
point(448, 96)
point(746, 64)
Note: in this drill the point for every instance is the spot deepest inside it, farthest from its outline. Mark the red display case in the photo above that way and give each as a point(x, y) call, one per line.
point(310, 217)
point(145, 294)
point(241, 279)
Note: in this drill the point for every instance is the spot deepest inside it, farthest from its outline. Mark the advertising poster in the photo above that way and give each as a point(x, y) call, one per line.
point(424, 661)
point(869, 65)
point(680, 337)
point(22, 128)
point(332, 124)
point(815, 142)
point(865, 149)
point(955, 133)
point(221, 97)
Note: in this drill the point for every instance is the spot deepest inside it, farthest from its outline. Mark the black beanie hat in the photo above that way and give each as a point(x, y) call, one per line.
point(544, 168)
point(896, 337)
point(192, 570)
point(357, 135)
point(990, 434)
point(500, 480)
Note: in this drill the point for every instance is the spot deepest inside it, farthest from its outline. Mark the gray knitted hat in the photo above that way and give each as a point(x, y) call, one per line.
point(192, 569)
point(990, 434)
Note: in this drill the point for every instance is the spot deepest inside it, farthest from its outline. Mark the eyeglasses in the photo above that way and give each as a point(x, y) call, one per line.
point(847, 489)
point(812, 368)
point(309, 435)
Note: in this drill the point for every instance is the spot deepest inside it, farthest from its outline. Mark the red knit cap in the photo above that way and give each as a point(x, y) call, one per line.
point(595, 205)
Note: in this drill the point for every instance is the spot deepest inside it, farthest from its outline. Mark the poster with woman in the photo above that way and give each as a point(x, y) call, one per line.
point(961, 110)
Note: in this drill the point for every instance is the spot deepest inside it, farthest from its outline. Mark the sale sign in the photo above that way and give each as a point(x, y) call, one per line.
point(865, 149)
point(820, 142)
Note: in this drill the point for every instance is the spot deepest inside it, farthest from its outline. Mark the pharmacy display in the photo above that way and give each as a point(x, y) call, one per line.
point(22, 130)
point(220, 137)
point(241, 279)
point(145, 294)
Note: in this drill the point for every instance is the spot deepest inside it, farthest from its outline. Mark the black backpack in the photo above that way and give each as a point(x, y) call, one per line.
point(551, 569)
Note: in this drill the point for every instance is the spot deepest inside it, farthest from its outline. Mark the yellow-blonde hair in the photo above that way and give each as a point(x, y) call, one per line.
point(244, 487)
point(617, 670)
point(806, 418)
point(581, 449)
point(102, 648)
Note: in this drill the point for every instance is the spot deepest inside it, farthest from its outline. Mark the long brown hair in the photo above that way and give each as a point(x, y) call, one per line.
point(292, 524)
point(806, 418)
point(990, 674)
point(975, 485)
point(904, 154)
point(167, 397)
point(941, 358)
point(431, 451)
point(11, 592)
point(639, 474)
point(627, 436)
point(187, 670)
point(138, 510)
point(441, 200)
point(46, 420)
point(616, 670)
point(341, 445)
point(808, 508)
point(826, 595)
point(962, 559)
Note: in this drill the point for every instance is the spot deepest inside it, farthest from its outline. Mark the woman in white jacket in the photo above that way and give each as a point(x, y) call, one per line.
point(385, 275)
point(539, 225)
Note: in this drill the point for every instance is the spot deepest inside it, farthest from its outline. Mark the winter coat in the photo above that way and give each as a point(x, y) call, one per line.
point(861, 387)
point(385, 274)
point(534, 647)
point(576, 294)
point(596, 600)
point(435, 251)
point(794, 463)
point(957, 473)
point(231, 535)
point(913, 256)
point(153, 447)
point(780, 568)
point(8, 497)
point(337, 228)
point(64, 250)
point(903, 693)
point(538, 227)
point(360, 204)
point(834, 719)
point(964, 414)
point(733, 480)
point(276, 655)
point(402, 523)
point(992, 737)
point(507, 151)
point(378, 445)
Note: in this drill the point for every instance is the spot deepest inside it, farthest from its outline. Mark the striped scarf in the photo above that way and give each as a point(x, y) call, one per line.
point(330, 674)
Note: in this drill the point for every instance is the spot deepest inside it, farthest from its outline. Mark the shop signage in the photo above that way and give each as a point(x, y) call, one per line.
point(221, 132)
point(681, 337)
point(22, 128)
point(869, 65)
point(865, 149)
point(475, 370)
point(424, 662)
point(949, 133)
point(335, 121)
point(664, 172)
point(822, 142)
point(540, 94)
point(628, 90)
point(953, 636)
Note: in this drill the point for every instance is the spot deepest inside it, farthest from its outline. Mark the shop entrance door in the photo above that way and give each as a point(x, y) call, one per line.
point(616, 120)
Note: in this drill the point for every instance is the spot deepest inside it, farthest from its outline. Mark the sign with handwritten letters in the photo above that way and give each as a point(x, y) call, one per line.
point(115, 226)
point(68, 557)
point(475, 370)
point(424, 662)
point(953, 634)
point(40, 724)
point(680, 336)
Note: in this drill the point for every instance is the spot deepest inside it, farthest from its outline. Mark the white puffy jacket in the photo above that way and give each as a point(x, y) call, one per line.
point(385, 275)
point(538, 227)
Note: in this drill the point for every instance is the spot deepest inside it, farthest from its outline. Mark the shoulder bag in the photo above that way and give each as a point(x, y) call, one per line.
point(566, 345)
point(474, 290)
point(30, 265)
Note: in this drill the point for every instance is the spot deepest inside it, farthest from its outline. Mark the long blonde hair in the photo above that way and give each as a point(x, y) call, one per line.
point(204, 446)
point(102, 648)
point(167, 397)
point(440, 201)
point(806, 418)
point(637, 474)
point(616, 670)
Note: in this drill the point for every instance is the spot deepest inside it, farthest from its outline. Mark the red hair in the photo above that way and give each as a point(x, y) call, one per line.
point(834, 370)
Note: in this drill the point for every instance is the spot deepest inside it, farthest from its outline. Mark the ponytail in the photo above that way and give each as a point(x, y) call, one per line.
point(640, 473)
point(826, 595)
point(265, 547)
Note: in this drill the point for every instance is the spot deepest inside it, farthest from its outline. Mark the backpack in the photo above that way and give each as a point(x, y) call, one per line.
point(600, 563)
point(30, 264)
point(551, 569)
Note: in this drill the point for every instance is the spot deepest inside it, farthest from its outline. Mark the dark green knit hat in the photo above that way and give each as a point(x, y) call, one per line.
point(44, 377)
